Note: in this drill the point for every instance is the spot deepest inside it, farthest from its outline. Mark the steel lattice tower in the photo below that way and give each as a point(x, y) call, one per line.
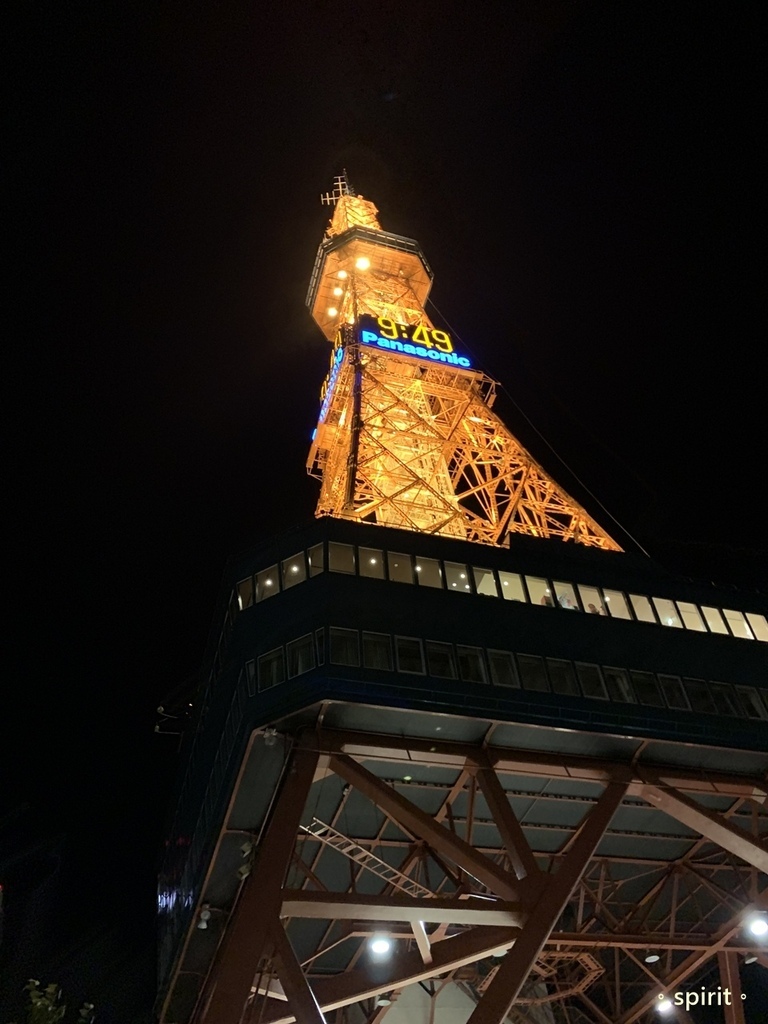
point(407, 436)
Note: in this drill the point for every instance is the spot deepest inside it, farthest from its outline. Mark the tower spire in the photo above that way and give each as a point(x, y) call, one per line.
point(406, 434)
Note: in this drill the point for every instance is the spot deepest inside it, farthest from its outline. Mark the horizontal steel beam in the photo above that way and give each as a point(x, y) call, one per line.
point(352, 906)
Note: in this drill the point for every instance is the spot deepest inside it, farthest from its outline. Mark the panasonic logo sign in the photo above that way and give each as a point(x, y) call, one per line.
point(370, 338)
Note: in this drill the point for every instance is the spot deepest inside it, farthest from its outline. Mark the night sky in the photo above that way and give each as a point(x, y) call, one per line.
point(586, 182)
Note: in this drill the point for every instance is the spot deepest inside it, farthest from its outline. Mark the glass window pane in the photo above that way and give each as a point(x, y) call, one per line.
point(271, 669)
point(377, 651)
point(540, 591)
point(341, 557)
point(674, 692)
point(316, 558)
point(691, 617)
point(667, 612)
point(294, 570)
point(714, 620)
point(372, 563)
point(300, 655)
point(647, 688)
point(759, 625)
point(725, 699)
point(565, 595)
point(320, 646)
point(409, 656)
point(563, 677)
point(643, 608)
point(457, 577)
point(616, 604)
point(512, 586)
point(503, 671)
point(250, 677)
point(533, 675)
point(617, 681)
point(591, 681)
point(750, 701)
point(428, 572)
point(592, 600)
point(344, 647)
point(245, 593)
point(737, 624)
point(471, 664)
point(699, 696)
point(440, 660)
point(485, 582)
point(266, 583)
point(399, 566)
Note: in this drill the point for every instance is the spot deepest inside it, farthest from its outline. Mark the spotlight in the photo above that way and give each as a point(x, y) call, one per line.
point(652, 958)
point(664, 1006)
point(758, 925)
point(380, 945)
point(362, 263)
point(243, 871)
point(205, 917)
point(246, 848)
point(750, 959)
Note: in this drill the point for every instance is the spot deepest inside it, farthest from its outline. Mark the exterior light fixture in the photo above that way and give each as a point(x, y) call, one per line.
point(750, 959)
point(362, 263)
point(332, 311)
point(338, 291)
point(380, 945)
point(341, 275)
point(664, 1006)
point(205, 917)
point(652, 958)
point(758, 925)
point(407, 778)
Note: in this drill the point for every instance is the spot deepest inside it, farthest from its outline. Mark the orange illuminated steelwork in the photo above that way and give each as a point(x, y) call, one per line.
point(411, 442)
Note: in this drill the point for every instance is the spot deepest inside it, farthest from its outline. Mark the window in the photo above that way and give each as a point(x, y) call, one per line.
point(562, 677)
point(245, 593)
point(300, 655)
point(533, 675)
point(320, 646)
point(616, 604)
point(643, 608)
point(250, 677)
point(294, 570)
point(457, 577)
point(737, 624)
point(485, 581)
point(409, 655)
point(341, 557)
point(750, 700)
point(619, 688)
point(316, 559)
point(440, 660)
point(674, 692)
point(399, 567)
point(566, 595)
point(714, 620)
point(539, 590)
point(667, 612)
point(372, 563)
point(759, 625)
point(377, 651)
point(429, 573)
point(699, 696)
point(725, 699)
point(647, 688)
point(592, 600)
point(691, 617)
point(591, 681)
point(271, 668)
point(344, 647)
point(266, 583)
point(512, 586)
point(471, 665)
point(503, 671)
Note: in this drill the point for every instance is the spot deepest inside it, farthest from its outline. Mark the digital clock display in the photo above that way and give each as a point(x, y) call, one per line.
point(410, 339)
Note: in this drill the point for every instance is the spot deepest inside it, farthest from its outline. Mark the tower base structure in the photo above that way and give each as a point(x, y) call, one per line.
point(435, 781)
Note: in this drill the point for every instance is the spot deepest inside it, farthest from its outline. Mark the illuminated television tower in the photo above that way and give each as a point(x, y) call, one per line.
point(406, 435)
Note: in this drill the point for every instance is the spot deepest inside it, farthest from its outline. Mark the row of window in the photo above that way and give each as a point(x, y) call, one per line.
point(471, 579)
point(415, 656)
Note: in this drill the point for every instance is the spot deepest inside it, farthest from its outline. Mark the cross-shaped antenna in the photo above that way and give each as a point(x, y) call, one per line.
point(341, 187)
